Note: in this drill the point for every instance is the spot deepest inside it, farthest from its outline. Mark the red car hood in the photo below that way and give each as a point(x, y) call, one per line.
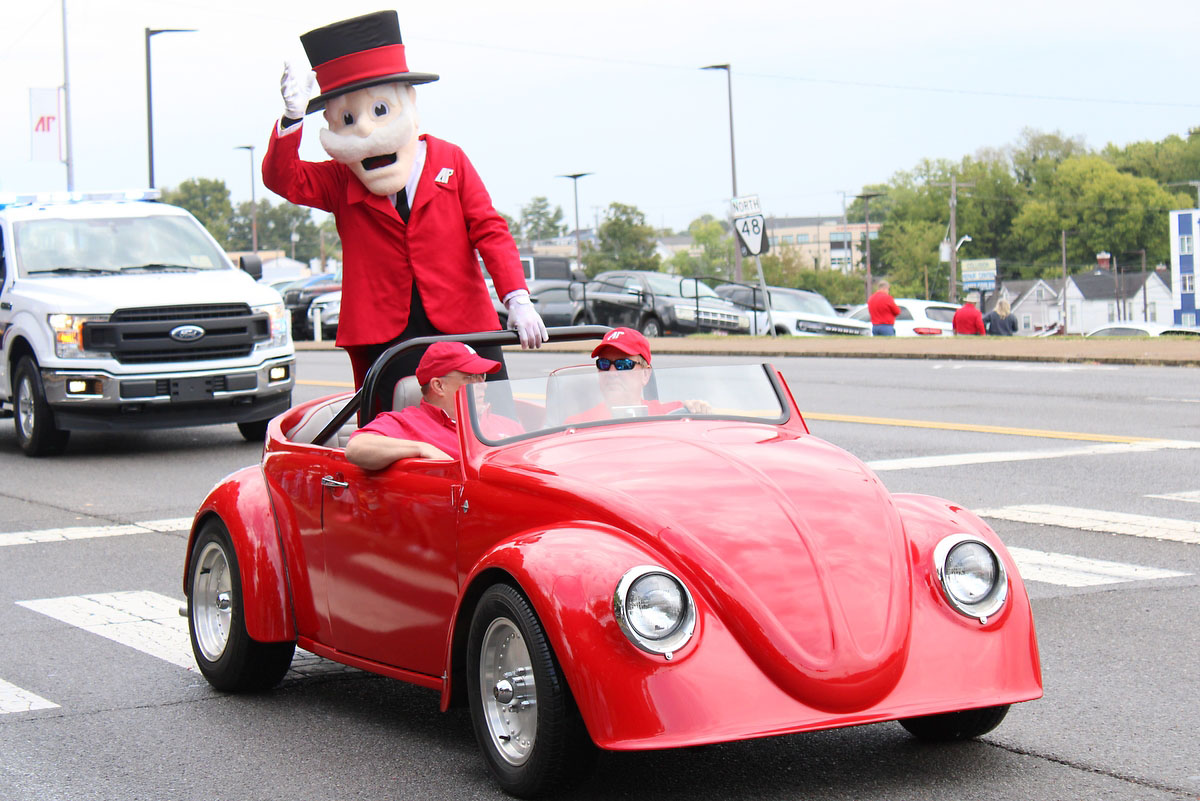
point(794, 543)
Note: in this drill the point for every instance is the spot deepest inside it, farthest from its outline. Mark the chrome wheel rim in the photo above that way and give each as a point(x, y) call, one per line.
point(212, 602)
point(25, 407)
point(509, 694)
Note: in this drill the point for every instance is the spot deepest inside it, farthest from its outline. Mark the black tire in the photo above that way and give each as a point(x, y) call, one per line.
point(505, 633)
point(227, 657)
point(33, 418)
point(651, 327)
point(956, 725)
point(254, 431)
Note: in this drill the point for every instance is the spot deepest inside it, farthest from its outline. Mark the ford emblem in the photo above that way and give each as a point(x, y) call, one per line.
point(187, 333)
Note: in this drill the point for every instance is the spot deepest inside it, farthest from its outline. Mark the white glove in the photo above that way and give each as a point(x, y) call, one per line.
point(525, 320)
point(296, 86)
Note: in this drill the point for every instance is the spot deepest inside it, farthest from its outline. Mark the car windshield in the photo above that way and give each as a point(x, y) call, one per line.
point(674, 287)
point(808, 304)
point(159, 243)
point(576, 397)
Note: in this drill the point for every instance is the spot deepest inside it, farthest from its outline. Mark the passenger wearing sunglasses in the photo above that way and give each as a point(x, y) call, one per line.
point(623, 364)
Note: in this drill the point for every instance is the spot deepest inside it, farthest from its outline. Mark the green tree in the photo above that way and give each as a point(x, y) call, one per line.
point(1173, 160)
point(538, 222)
point(713, 250)
point(208, 201)
point(276, 224)
point(626, 242)
point(1036, 157)
point(1103, 208)
point(908, 256)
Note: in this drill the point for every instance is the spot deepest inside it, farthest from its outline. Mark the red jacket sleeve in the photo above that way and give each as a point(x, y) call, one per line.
point(307, 183)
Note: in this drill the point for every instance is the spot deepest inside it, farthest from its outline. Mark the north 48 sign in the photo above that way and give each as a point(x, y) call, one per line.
point(752, 231)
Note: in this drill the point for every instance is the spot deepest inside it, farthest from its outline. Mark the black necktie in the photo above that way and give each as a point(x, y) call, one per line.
point(402, 203)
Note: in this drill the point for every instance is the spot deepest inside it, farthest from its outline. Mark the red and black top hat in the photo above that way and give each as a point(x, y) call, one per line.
point(357, 53)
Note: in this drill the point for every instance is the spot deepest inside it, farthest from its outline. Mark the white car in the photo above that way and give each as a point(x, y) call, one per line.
point(1129, 328)
point(794, 311)
point(917, 317)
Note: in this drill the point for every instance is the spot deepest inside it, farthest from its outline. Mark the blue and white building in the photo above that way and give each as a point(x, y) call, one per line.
point(1183, 265)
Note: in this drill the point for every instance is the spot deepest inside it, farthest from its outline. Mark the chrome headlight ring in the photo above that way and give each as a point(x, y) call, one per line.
point(971, 575)
point(654, 610)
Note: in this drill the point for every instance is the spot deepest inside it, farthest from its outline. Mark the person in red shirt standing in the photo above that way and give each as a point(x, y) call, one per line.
point(883, 309)
point(968, 319)
point(429, 430)
point(410, 209)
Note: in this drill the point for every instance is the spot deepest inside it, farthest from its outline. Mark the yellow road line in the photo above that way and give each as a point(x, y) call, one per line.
point(344, 384)
point(1017, 432)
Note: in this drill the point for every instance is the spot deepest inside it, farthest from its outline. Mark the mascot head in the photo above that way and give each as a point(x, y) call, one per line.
point(367, 96)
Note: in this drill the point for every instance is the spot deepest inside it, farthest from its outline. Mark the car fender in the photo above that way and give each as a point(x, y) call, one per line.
point(570, 575)
point(243, 505)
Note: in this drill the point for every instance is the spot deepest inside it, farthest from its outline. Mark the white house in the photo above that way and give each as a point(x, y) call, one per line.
point(1098, 298)
point(1037, 303)
point(1183, 267)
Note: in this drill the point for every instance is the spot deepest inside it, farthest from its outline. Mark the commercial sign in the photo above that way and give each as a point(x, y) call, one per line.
point(978, 273)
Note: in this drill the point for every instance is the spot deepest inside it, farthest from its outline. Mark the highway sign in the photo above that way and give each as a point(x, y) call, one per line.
point(750, 225)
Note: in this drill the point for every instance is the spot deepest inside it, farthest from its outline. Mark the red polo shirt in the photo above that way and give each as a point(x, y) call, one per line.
point(883, 308)
point(423, 423)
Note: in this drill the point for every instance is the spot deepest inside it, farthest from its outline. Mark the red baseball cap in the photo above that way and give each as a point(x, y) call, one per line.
point(442, 358)
point(625, 340)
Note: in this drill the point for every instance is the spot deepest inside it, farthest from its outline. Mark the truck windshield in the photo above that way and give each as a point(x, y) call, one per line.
point(65, 246)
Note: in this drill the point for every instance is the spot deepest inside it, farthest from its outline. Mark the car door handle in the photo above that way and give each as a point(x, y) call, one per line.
point(333, 483)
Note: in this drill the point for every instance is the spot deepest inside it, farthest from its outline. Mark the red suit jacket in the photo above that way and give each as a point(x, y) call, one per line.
point(382, 255)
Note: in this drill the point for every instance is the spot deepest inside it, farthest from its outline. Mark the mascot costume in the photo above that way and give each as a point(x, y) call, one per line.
point(410, 209)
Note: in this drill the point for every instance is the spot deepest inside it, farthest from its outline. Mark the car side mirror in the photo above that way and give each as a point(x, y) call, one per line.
point(251, 264)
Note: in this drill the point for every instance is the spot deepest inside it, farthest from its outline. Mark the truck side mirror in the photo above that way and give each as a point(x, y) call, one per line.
point(251, 264)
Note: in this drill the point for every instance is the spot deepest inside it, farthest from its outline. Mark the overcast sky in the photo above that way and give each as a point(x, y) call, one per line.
point(827, 97)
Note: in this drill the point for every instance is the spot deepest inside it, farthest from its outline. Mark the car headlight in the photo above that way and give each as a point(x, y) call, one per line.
point(972, 576)
point(280, 325)
point(685, 313)
point(68, 335)
point(654, 610)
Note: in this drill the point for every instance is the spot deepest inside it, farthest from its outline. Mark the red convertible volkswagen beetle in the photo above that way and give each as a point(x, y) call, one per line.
point(613, 576)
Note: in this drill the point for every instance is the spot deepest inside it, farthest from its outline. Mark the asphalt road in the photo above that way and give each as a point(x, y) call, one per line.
point(1096, 448)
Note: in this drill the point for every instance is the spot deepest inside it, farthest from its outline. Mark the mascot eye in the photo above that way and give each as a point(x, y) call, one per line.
point(347, 118)
point(381, 109)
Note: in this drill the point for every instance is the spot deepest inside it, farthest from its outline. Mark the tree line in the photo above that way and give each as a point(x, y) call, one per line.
point(209, 202)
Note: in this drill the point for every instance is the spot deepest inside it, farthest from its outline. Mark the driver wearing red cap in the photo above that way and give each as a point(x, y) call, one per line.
point(623, 359)
point(429, 430)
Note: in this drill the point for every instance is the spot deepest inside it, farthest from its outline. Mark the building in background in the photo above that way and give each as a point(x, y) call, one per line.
point(1183, 267)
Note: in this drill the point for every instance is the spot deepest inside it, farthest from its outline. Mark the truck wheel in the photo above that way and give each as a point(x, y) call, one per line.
point(651, 327)
point(526, 722)
point(255, 431)
point(225, 653)
point(32, 416)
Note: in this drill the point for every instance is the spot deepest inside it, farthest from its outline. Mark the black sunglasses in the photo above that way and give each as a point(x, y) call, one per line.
point(620, 364)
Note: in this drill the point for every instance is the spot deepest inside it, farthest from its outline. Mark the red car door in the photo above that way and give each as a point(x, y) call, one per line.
point(390, 555)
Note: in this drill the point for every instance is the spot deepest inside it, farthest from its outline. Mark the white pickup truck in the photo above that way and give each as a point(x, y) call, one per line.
point(120, 313)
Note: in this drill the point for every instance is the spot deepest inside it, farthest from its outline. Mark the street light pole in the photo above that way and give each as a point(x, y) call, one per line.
point(149, 96)
point(70, 161)
point(866, 199)
point(575, 176)
point(737, 251)
point(253, 203)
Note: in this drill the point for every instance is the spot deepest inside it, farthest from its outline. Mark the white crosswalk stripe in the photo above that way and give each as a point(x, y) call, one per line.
point(88, 532)
point(151, 623)
point(1189, 497)
point(14, 699)
point(1079, 571)
point(994, 457)
point(1159, 528)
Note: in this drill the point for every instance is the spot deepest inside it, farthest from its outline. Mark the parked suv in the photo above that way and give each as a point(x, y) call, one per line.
point(121, 314)
point(658, 304)
point(299, 295)
point(794, 311)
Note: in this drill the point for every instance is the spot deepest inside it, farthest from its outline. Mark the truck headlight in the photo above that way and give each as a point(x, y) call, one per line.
point(68, 335)
point(685, 313)
point(280, 325)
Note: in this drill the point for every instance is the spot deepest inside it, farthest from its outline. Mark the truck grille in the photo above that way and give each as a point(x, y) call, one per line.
point(143, 335)
point(717, 319)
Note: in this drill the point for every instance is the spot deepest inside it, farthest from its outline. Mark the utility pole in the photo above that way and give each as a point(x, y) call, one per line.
point(866, 199)
point(954, 185)
point(70, 161)
point(1063, 293)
